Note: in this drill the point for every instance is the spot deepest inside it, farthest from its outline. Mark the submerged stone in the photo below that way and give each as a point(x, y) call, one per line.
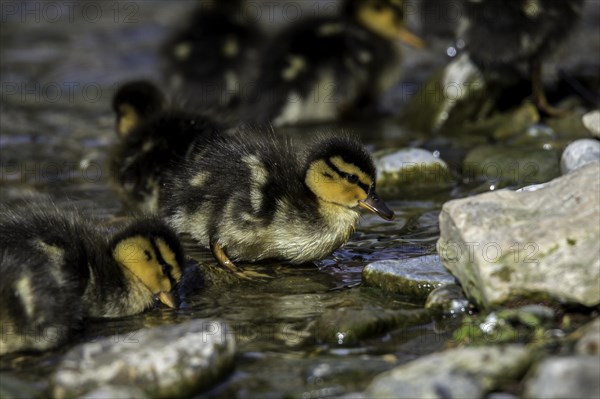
point(415, 277)
point(505, 246)
point(168, 361)
point(347, 326)
point(565, 377)
point(411, 171)
point(505, 165)
point(455, 373)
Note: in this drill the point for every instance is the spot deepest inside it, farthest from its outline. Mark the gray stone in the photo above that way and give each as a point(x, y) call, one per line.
point(448, 299)
point(591, 121)
point(167, 361)
point(456, 373)
point(565, 377)
point(410, 169)
point(116, 392)
point(505, 246)
point(579, 153)
point(589, 339)
point(416, 277)
point(503, 165)
point(12, 387)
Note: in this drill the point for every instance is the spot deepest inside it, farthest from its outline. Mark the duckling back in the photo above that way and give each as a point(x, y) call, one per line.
point(320, 70)
point(151, 148)
point(44, 274)
point(210, 58)
point(499, 32)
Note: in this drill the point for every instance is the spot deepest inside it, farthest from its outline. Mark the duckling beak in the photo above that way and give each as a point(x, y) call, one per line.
point(376, 205)
point(168, 299)
point(410, 38)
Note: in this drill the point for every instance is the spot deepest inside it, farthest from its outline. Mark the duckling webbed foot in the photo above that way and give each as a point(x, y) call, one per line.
point(221, 257)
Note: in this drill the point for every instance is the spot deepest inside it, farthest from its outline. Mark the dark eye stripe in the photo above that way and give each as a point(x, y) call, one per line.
point(166, 268)
point(360, 184)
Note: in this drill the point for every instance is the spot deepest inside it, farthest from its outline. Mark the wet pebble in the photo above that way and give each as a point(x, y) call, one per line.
point(415, 277)
point(168, 361)
point(455, 373)
point(579, 153)
point(448, 299)
point(565, 377)
point(589, 341)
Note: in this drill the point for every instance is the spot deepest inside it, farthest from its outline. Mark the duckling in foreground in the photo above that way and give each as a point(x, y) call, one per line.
point(500, 33)
point(57, 270)
point(152, 139)
point(252, 197)
point(326, 68)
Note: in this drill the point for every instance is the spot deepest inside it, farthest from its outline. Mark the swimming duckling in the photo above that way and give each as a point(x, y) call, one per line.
point(153, 138)
point(208, 60)
point(326, 68)
point(252, 197)
point(57, 270)
point(500, 33)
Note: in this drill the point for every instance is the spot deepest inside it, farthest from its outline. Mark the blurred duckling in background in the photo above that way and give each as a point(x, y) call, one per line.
point(208, 60)
point(501, 33)
point(152, 139)
point(323, 69)
point(252, 197)
point(57, 270)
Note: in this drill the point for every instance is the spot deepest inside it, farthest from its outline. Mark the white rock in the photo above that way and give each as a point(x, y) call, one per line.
point(591, 121)
point(565, 377)
point(543, 244)
point(579, 153)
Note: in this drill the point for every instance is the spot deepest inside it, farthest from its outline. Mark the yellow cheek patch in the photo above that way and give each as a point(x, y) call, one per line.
point(169, 256)
point(136, 254)
point(128, 119)
point(353, 170)
point(332, 189)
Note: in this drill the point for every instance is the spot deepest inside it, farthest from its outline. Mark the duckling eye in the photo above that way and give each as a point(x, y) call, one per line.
point(148, 255)
point(352, 178)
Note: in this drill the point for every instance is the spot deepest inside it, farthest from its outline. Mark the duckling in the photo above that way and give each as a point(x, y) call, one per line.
point(207, 61)
point(326, 68)
point(252, 197)
point(152, 139)
point(500, 33)
point(58, 269)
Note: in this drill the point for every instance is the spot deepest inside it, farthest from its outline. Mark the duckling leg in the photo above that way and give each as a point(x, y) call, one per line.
point(221, 257)
point(539, 95)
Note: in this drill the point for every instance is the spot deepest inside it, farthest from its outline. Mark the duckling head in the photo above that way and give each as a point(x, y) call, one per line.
point(135, 101)
point(152, 253)
point(340, 171)
point(383, 17)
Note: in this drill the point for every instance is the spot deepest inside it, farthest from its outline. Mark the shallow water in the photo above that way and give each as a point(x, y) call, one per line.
point(56, 126)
